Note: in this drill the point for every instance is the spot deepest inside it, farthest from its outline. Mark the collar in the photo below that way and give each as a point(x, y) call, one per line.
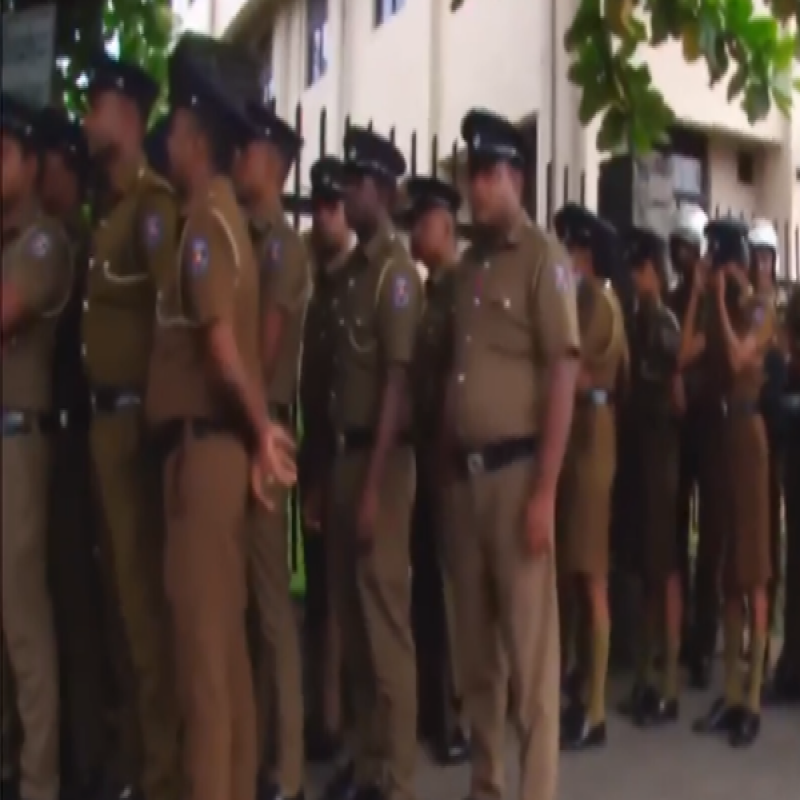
point(130, 176)
point(265, 220)
point(380, 241)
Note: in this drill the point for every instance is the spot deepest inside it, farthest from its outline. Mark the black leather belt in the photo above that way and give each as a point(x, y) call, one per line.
point(594, 398)
point(281, 412)
point(496, 455)
point(355, 439)
point(110, 401)
point(20, 423)
point(169, 435)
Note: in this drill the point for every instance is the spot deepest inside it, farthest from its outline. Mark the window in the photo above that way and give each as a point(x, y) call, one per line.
point(263, 52)
point(386, 8)
point(316, 40)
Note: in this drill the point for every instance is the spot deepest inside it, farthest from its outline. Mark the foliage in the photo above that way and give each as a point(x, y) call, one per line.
point(142, 29)
point(753, 51)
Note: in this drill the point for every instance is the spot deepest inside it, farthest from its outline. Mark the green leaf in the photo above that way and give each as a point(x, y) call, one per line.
point(757, 102)
point(761, 32)
point(737, 15)
point(737, 82)
point(613, 131)
point(593, 101)
point(783, 100)
point(785, 52)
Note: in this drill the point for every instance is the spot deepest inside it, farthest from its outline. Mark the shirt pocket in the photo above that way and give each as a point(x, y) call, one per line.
point(507, 324)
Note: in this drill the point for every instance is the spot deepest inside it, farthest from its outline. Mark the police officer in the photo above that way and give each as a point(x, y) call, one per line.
point(514, 326)
point(431, 220)
point(36, 282)
point(687, 245)
point(155, 147)
point(740, 329)
point(85, 669)
point(379, 301)
point(205, 399)
point(654, 404)
point(133, 243)
point(785, 685)
point(585, 485)
point(269, 148)
point(330, 243)
point(765, 263)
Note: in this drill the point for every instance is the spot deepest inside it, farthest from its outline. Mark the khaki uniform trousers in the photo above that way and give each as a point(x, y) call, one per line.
point(28, 613)
point(507, 622)
point(372, 588)
point(131, 541)
point(206, 480)
point(78, 604)
point(278, 670)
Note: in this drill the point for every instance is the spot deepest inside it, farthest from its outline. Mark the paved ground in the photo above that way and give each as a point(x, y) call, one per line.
point(673, 764)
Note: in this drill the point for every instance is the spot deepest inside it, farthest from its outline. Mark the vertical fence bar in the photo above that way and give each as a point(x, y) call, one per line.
point(454, 164)
point(583, 188)
point(298, 167)
point(392, 135)
point(797, 252)
point(323, 133)
point(549, 186)
point(565, 187)
point(435, 155)
point(413, 154)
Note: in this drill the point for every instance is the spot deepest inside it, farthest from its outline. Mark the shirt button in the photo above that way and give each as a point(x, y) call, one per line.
point(85, 306)
point(477, 301)
point(84, 351)
point(461, 377)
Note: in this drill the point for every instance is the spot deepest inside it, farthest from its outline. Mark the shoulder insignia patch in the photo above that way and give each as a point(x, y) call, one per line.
point(563, 278)
point(40, 244)
point(153, 230)
point(199, 256)
point(401, 292)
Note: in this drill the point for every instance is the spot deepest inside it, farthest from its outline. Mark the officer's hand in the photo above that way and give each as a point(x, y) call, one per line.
point(700, 276)
point(720, 282)
point(540, 522)
point(367, 517)
point(275, 463)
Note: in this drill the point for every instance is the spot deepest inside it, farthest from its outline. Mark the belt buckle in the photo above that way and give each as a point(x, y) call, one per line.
point(475, 464)
point(597, 397)
point(341, 442)
point(724, 407)
point(13, 422)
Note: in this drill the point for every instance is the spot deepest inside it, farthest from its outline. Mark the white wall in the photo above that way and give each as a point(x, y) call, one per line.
point(194, 15)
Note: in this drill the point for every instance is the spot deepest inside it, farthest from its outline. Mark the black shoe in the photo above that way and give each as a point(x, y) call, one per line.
point(583, 737)
point(721, 718)
point(322, 746)
point(630, 705)
point(655, 710)
point(746, 730)
point(342, 786)
point(700, 673)
point(454, 751)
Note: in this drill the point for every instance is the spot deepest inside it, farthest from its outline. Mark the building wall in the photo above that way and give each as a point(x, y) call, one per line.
point(194, 15)
point(423, 68)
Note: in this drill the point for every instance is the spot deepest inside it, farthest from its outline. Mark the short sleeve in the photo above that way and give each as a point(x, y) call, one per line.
point(43, 276)
point(156, 231)
point(284, 271)
point(209, 271)
point(554, 308)
point(598, 343)
point(399, 308)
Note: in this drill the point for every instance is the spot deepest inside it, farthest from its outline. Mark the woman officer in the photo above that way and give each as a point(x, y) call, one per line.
point(739, 331)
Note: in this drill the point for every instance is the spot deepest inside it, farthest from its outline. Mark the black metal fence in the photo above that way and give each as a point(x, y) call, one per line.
point(447, 162)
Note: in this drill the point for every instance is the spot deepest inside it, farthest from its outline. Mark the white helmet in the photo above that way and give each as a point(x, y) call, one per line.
point(763, 234)
point(690, 225)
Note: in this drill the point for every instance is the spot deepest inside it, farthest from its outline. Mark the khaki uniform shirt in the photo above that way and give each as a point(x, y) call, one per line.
point(37, 262)
point(214, 279)
point(285, 280)
point(753, 315)
point(515, 315)
point(379, 301)
point(432, 354)
point(132, 248)
point(604, 347)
